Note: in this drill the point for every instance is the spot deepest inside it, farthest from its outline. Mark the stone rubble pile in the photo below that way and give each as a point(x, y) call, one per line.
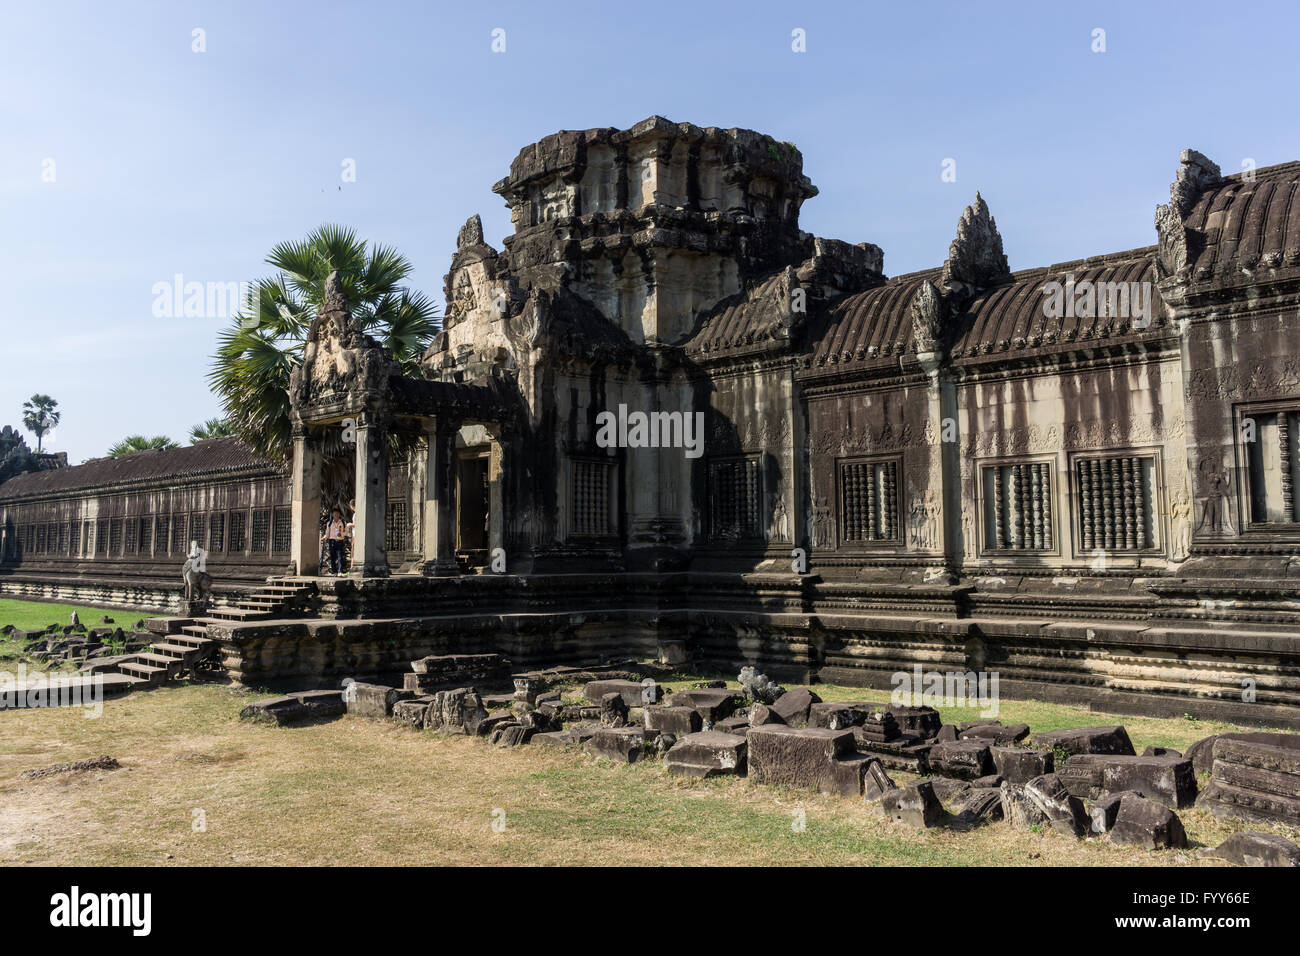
point(1078, 782)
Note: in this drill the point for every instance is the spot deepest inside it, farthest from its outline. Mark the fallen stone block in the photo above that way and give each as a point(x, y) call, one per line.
point(707, 754)
point(679, 721)
point(296, 708)
point(1020, 766)
point(1252, 848)
point(794, 706)
point(815, 757)
point(733, 725)
point(456, 711)
point(1169, 780)
point(761, 714)
point(1044, 800)
point(373, 700)
point(414, 711)
point(1148, 823)
point(1161, 752)
point(839, 715)
point(923, 722)
point(711, 703)
point(1255, 781)
point(905, 753)
point(915, 805)
point(980, 806)
point(875, 781)
point(613, 710)
point(1103, 810)
point(995, 733)
point(963, 759)
point(620, 744)
point(1087, 740)
point(634, 693)
point(510, 735)
point(1201, 753)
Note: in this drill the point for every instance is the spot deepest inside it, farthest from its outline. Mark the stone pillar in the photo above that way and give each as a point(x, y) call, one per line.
point(439, 523)
point(496, 497)
point(305, 504)
point(369, 559)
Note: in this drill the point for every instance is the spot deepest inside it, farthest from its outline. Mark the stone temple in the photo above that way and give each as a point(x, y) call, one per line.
point(1079, 476)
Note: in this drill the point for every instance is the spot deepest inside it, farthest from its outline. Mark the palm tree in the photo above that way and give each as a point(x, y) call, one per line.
point(250, 372)
point(39, 416)
point(136, 443)
point(212, 428)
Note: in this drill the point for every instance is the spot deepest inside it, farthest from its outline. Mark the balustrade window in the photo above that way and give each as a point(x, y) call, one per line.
point(146, 535)
point(179, 545)
point(735, 498)
point(589, 503)
point(281, 530)
point(869, 501)
point(1114, 497)
point(238, 536)
point(395, 527)
point(198, 529)
point(101, 537)
point(217, 533)
point(1272, 465)
point(261, 531)
point(132, 525)
point(115, 536)
point(1017, 504)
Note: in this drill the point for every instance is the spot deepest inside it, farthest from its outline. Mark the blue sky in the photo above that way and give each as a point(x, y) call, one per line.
point(169, 161)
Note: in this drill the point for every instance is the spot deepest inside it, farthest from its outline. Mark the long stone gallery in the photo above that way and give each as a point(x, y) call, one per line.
point(663, 424)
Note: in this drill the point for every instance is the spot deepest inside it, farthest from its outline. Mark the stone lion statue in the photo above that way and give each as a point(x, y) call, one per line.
point(198, 583)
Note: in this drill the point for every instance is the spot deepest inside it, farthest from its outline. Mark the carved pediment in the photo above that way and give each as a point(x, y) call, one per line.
point(340, 363)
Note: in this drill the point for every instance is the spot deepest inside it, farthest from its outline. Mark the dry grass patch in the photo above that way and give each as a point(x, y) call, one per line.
point(371, 792)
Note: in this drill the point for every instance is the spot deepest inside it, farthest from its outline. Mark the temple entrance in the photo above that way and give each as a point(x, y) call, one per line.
point(472, 506)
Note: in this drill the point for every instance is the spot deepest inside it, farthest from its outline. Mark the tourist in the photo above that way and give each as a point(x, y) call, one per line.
point(336, 532)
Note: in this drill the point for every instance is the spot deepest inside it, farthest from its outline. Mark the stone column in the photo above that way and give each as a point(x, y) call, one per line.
point(496, 497)
point(305, 504)
point(439, 525)
point(369, 558)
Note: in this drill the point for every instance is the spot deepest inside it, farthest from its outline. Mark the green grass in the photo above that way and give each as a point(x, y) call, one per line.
point(38, 615)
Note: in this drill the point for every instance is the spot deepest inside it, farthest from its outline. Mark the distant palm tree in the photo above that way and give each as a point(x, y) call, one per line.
point(212, 428)
point(39, 416)
point(134, 443)
point(250, 371)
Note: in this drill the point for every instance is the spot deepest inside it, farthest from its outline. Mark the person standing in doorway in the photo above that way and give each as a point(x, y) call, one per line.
point(336, 532)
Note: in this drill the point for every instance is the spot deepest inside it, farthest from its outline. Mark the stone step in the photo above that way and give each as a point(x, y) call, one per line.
point(194, 632)
point(148, 673)
point(184, 652)
point(238, 614)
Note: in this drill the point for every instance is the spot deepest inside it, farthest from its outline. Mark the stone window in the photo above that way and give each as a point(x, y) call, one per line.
point(1016, 500)
point(869, 501)
point(115, 536)
point(198, 529)
point(1272, 465)
point(1114, 499)
point(281, 531)
point(261, 531)
point(735, 498)
point(238, 535)
point(74, 538)
point(162, 532)
point(65, 535)
point(179, 544)
point(101, 537)
point(146, 535)
point(88, 547)
point(217, 532)
point(590, 499)
point(395, 526)
point(132, 525)
point(40, 539)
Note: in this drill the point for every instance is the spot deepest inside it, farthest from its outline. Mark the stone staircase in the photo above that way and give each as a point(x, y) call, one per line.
point(176, 654)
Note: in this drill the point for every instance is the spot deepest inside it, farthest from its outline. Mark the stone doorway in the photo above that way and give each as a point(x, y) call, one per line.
point(472, 506)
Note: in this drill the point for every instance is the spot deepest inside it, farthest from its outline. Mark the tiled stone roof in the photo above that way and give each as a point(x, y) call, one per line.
point(215, 457)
